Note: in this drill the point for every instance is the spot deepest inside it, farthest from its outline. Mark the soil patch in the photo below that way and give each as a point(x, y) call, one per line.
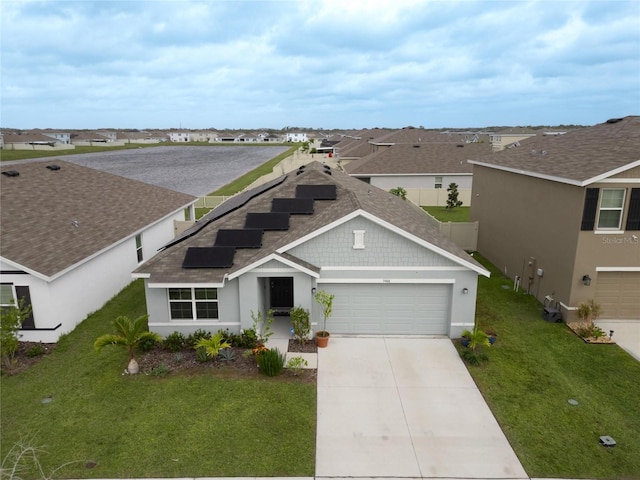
point(27, 355)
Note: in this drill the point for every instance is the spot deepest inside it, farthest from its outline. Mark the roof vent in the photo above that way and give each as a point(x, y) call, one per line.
point(615, 120)
point(11, 173)
point(53, 167)
point(416, 146)
point(460, 145)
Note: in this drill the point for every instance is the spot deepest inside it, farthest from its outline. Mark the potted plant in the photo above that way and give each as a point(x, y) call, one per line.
point(326, 302)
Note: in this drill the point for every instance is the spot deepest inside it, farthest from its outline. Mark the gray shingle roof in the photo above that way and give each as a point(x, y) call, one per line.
point(578, 157)
point(422, 158)
point(39, 206)
point(352, 195)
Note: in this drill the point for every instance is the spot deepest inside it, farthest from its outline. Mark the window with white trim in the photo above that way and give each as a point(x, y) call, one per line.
point(7, 297)
point(611, 206)
point(193, 303)
point(438, 183)
point(139, 247)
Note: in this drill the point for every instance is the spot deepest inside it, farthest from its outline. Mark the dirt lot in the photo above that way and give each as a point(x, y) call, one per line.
point(192, 169)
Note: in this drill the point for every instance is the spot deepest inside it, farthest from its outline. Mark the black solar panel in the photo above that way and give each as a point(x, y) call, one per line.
point(267, 221)
point(300, 206)
point(317, 192)
point(246, 238)
point(225, 208)
point(208, 257)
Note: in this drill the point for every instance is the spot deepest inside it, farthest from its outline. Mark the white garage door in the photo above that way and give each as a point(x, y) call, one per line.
point(394, 309)
point(618, 293)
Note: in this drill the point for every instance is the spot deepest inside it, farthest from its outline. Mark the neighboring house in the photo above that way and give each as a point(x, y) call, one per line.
point(561, 215)
point(273, 247)
point(425, 170)
point(297, 137)
point(90, 138)
point(179, 137)
point(32, 141)
point(60, 137)
point(509, 137)
point(71, 236)
point(142, 137)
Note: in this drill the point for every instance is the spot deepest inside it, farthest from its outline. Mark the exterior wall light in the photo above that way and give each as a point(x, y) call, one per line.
point(313, 291)
point(586, 279)
point(465, 290)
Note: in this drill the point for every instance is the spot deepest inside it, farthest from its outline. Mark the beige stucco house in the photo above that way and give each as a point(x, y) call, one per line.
point(561, 216)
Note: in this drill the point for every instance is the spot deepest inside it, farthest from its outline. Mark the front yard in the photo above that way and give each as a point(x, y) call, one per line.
point(186, 424)
point(535, 368)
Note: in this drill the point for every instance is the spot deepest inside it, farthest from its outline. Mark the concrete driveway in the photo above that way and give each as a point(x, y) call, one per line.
point(626, 333)
point(404, 407)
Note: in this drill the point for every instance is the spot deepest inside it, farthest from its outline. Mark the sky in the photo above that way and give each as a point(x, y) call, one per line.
point(322, 64)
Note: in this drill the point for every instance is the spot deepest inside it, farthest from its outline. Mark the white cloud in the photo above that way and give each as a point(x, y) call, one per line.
point(327, 63)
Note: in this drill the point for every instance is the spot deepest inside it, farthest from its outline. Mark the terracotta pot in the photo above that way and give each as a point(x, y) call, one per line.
point(322, 338)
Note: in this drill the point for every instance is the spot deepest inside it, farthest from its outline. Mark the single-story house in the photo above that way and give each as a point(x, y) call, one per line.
point(273, 247)
point(425, 170)
point(71, 236)
point(560, 215)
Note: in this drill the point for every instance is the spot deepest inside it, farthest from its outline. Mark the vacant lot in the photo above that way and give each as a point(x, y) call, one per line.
point(194, 170)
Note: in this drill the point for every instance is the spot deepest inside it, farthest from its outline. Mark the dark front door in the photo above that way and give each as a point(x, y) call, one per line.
point(281, 294)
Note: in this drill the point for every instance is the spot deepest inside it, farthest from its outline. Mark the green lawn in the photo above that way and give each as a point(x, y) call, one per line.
point(7, 155)
point(458, 214)
point(146, 426)
point(534, 368)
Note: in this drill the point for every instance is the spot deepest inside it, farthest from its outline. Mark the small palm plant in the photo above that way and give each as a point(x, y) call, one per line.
point(213, 345)
point(129, 334)
point(476, 338)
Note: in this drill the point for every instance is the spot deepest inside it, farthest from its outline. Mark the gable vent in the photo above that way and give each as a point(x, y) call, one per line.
point(11, 173)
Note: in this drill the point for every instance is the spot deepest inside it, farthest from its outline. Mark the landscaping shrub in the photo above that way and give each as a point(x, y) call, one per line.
point(227, 355)
point(301, 324)
point(36, 350)
point(271, 362)
point(248, 339)
point(195, 337)
point(174, 342)
point(201, 355)
point(147, 344)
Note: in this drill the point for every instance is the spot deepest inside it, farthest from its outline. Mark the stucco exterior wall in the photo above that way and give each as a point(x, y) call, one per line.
point(528, 224)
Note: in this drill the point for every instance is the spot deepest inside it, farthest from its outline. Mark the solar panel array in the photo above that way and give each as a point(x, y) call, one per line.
point(295, 206)
point(317, 192)
point(208, 257)
point(267, 221)
point(239, 238)
point(256, 223)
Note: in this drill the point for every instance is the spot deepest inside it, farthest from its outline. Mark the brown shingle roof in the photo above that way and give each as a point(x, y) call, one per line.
point(39, 206)
point(352, 195)
point(578, 157)
point(423, 158)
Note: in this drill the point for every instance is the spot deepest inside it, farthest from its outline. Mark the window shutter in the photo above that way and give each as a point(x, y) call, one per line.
point(23, 293)
point(633, 216)
point(590, 209)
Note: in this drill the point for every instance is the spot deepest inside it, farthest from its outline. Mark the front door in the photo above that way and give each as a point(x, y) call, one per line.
point(281, 294)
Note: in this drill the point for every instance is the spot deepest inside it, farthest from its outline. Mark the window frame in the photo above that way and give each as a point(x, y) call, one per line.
point(139, 252)
point(195, 303)
point(14, 300)
point(437, 184)
point(619, 209)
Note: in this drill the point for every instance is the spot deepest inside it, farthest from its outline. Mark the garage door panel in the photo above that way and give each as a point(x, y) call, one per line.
point(389, 309)
point(617, 294)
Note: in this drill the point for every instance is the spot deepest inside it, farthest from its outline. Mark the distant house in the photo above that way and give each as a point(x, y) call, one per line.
point(505, 138)
point(61, 137)
point(425, 170)
point(297, 137)
point(92, 138)
point(32, 140)
point(560, 215)
point(386, 262)
point(72, 235)
point(179, 137)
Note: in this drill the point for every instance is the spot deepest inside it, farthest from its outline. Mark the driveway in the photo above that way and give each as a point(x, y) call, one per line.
point(626, 333)
point(404, 407)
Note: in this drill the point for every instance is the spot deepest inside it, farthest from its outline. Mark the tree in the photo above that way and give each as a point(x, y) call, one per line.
point(452, 200)
point(11, 319)
point(399, 192)
point(325, 299)
point(129, 334)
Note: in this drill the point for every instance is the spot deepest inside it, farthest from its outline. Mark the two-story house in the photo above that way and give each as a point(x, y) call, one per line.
point(560, 215)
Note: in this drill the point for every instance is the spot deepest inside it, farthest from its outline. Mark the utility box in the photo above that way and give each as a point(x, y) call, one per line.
point(552, 315)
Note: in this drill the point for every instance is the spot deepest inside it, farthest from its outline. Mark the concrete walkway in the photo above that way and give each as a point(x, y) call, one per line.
point(405, 407)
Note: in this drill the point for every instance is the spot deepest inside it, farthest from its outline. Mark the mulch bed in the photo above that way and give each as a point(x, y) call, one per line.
point(161, 362)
